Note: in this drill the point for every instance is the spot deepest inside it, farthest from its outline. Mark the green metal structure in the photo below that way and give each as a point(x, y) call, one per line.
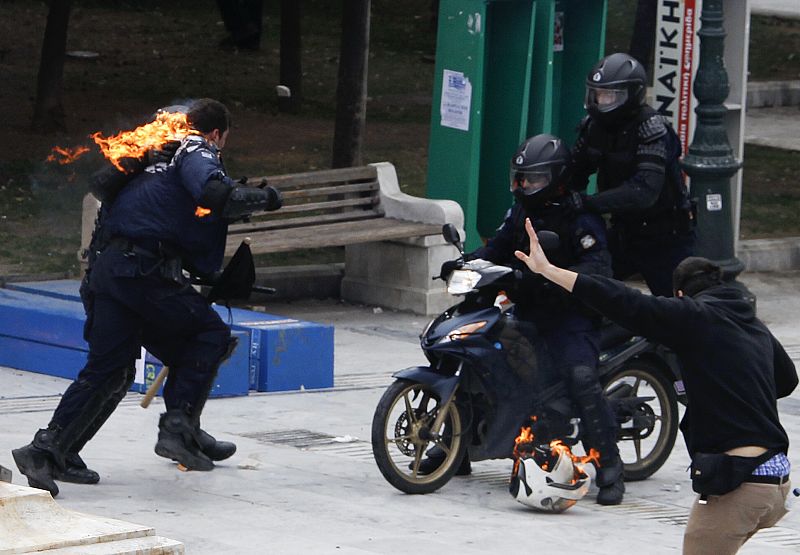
point(505, 70)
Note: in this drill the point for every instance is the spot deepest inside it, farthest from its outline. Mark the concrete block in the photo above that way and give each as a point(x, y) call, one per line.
point(285, 354)
point(31, 521)
point(770, 255)
point(398, 274)
point(768, 94)
point(274, 353)
point(42, 358)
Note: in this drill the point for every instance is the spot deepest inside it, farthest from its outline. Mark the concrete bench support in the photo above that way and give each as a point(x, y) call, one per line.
point(397, 274)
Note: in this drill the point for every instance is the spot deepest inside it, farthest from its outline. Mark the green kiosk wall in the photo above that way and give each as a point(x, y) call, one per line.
point(505, 70)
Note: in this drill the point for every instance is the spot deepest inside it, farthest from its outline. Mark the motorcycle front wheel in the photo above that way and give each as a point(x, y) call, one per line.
point(402, 433)
point(647, 438)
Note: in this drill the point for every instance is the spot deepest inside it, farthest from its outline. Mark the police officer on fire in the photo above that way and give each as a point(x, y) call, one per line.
point(635, 153)
point(170, 218)
point(571, 332)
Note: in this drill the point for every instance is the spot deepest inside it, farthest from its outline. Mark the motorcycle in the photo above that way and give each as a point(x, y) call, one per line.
point(490, 373)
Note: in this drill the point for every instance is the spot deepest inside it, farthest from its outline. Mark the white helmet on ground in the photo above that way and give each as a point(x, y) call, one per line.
point(553, 490)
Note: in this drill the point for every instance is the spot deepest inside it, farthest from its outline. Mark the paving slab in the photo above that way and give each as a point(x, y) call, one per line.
point(303, 478)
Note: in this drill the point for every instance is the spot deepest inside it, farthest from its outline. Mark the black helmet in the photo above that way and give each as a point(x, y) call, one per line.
point(537, 169)
point(615, 88)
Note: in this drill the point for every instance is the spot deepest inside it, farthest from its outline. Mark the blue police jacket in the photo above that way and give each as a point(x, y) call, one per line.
point(161, 204)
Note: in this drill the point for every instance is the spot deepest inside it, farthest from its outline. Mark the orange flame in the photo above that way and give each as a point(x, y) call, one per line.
point(557, 447)
point(201, 212)
point(134, 144)
point(64, 155)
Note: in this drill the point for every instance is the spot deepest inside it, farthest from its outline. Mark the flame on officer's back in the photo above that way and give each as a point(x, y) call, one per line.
point(167, 126)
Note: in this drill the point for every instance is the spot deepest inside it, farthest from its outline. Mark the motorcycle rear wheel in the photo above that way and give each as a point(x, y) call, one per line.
point(647, 452)
point(401, 435)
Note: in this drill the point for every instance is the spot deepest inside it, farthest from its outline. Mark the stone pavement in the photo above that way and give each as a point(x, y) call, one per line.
point(292, 488)
point(776, 127)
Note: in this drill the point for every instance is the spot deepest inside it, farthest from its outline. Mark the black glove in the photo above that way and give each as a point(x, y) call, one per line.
point(274, 197)
point(131, 166)
point(161, 154)
point(448, 267)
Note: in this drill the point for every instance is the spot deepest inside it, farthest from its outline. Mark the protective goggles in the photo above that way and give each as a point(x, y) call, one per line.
point(605, 100)
point(530, 182)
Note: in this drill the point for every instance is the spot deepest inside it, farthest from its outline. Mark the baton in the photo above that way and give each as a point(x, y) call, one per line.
point(153, 389)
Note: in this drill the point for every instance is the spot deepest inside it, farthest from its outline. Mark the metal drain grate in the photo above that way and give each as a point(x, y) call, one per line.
point(317, 442)
point(47, 403)
point(641, 508)
point(362, 381)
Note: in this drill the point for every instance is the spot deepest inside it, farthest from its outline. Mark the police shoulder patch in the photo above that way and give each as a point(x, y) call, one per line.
point(588, 241)
point(207, 154)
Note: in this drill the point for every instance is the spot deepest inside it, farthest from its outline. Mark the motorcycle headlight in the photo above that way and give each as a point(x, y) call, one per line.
point(462, 281)
point(463, 332)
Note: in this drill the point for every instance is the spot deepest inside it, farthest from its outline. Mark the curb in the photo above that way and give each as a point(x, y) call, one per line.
point(770, 255)
point(767, 94)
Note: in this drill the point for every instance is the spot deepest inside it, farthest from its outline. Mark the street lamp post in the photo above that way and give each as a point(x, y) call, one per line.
point(710, 162)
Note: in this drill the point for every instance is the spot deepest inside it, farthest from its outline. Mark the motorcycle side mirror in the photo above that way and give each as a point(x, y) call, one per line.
point(450, 234)
point(549, 240)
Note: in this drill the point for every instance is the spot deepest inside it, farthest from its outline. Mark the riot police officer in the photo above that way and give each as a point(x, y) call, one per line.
point(635, 153)
point(169, 218)
point(571, 332)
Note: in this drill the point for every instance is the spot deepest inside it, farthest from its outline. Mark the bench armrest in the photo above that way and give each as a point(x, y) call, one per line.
point(397, 204)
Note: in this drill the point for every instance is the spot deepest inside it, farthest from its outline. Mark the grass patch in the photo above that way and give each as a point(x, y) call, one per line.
point(770, 195)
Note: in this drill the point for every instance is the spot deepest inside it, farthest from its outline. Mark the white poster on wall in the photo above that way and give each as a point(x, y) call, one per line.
point(456, 100)
point(676, 59)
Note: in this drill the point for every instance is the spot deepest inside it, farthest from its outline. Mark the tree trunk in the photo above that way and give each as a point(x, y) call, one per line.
point(291, 71)
point(48, 111)
point(351, 89)
point(644, 31)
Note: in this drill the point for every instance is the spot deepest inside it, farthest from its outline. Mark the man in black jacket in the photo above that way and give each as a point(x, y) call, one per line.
point(733, 369)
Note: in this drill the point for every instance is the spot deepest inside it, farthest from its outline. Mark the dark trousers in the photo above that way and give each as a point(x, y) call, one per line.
point(573, 341)
point(655, 258)
point(131, 306)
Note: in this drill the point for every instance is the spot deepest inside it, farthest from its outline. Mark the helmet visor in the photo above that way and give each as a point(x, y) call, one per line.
point(605, 100)
point(530, 182)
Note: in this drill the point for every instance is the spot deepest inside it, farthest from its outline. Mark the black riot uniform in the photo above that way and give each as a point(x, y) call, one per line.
point(136, 294)
point(569, 329)
point(635, 153)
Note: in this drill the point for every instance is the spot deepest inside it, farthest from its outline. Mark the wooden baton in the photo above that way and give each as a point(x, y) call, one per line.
point(153, 389)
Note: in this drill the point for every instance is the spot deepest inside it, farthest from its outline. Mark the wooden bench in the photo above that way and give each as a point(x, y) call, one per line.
point(393, 243)
point(325, 209)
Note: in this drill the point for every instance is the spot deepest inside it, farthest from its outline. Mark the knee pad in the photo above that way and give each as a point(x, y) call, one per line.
point(583, 379)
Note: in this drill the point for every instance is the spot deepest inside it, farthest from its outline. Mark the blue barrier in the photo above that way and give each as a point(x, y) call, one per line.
point(282, 354)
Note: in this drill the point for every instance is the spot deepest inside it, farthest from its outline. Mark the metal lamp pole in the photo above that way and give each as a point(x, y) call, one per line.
point(710, 162)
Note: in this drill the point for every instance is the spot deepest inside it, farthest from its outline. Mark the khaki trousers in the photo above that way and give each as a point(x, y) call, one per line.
point(721, 526)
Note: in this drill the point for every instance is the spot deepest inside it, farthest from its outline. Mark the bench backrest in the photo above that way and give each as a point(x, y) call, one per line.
point(319, 197)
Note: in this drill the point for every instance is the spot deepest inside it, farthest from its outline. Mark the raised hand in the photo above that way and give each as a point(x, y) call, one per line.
point(536, 261)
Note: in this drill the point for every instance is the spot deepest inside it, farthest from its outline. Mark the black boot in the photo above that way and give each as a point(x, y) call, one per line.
point(213, 449)
point(38, 462)
point(434, 459)
point(177, 440)
point(610, 481)
point(76, 471)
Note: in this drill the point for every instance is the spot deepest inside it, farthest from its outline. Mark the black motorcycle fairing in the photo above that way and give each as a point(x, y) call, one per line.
point(441, 384)
point(441, 328)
